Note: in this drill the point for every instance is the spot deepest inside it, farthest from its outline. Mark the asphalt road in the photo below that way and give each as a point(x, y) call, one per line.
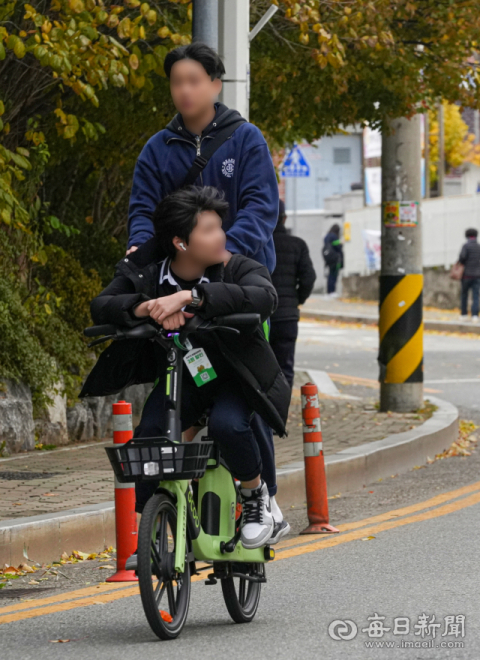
point(420, 569)
point(451, 362)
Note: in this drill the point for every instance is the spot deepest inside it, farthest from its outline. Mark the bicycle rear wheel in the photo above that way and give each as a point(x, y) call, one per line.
point(242, 595)
point(165, 601)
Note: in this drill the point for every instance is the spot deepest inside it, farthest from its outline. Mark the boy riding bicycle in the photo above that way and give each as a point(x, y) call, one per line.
point(183, 274)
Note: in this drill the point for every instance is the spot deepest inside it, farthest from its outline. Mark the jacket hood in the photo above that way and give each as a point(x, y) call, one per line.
point(223, 117)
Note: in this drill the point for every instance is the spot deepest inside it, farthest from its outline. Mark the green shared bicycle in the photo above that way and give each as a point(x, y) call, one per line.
point(186, 521)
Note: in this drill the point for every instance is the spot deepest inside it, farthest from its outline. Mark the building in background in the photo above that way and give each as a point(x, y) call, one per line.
point(313, 203)
point(335, 165)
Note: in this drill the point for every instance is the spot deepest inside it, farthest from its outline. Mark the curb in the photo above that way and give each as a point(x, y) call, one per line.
point(355, 467)
point(43, 538)
point(370, 319)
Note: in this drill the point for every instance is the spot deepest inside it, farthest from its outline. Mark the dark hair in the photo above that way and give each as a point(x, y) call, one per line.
point(176, 214)
point(471, 233)
point(335, 229)
point(200, 52)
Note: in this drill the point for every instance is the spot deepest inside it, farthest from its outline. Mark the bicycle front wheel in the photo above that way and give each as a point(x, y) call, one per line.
point(165, 593)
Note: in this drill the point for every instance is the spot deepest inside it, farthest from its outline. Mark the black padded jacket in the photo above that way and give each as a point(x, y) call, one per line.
point(294, 275)
point(242, 286)
point(470, 258)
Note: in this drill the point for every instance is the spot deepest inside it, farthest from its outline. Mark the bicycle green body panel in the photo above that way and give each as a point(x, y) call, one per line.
point(216, 484)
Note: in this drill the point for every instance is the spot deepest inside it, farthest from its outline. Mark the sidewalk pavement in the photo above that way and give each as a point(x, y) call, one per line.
point(46, 482)
point(324, 308)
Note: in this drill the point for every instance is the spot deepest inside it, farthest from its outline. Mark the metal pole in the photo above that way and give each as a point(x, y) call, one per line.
point(234, 49)
point(441, 151)
point(427, 155)
point(401, 280)
point(295, 205)
point(205, 22)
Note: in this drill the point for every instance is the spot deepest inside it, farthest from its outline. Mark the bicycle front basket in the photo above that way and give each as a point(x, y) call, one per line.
point(147, 459)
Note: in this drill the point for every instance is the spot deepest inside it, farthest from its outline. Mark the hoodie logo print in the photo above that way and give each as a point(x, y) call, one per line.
point(228, 166)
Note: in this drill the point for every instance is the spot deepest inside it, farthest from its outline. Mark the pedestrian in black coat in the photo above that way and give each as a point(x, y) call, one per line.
point(293, 278)
point(333, 257)
point(470, 258)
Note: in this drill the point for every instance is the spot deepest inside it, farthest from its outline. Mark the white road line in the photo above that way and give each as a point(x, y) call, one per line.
point(454, 380)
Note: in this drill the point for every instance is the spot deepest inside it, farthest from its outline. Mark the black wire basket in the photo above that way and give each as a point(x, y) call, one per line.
point(159, 459)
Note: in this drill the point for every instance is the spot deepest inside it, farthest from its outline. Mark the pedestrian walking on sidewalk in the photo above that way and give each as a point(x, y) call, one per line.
point(470, 259)
point(333, 257)
point(293, 278)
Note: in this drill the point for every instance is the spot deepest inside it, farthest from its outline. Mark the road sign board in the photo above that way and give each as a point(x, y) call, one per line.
point(295, 164)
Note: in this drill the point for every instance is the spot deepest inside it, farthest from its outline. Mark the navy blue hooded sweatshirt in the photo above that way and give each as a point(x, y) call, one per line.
point(242, 167)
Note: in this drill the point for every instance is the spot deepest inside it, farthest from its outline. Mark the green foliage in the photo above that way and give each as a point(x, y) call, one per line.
point(321, 65)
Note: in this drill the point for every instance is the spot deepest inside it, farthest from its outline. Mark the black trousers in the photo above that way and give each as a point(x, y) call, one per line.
point(283, 336)
point(229, 425)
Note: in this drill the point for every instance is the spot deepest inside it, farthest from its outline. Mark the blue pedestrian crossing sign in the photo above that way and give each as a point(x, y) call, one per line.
point(295, 164)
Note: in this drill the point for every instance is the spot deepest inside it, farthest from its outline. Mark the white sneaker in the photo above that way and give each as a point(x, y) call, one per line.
point(281, 527)
point(257, 519)
point(474, 319)
point(463, 317)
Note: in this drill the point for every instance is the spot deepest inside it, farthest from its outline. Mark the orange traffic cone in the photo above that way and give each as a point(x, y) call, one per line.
point(125, 515)
point(315, 480)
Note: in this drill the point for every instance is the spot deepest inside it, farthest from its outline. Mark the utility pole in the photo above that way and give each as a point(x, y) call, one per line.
point(426, 156)
point(401, 278)
point(441, 150)
point(234, 49)
point(205, 22)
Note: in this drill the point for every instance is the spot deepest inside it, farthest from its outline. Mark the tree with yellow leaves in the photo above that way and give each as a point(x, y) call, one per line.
point(460, 147)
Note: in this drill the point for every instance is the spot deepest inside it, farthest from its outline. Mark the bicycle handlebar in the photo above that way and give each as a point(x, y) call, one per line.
point(96, 330)
point(148, 331)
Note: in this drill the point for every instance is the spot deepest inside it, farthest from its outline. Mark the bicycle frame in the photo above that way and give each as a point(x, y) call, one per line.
point(217, 495)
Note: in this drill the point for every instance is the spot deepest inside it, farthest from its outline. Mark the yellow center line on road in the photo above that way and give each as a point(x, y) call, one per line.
point(67, 595)
point(375, 529)
point(395, 513)
point(107, 594)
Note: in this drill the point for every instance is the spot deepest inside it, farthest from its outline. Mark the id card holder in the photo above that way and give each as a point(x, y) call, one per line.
point(199, 366)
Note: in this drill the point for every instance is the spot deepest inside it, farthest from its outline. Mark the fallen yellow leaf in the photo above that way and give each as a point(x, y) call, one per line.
point(368, 538)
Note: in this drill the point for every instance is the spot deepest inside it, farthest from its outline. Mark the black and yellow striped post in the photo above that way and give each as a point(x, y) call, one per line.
point(401, 329)
point(401, 279)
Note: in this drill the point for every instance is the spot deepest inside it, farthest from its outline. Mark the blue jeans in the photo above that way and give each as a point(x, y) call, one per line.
point(472, 283)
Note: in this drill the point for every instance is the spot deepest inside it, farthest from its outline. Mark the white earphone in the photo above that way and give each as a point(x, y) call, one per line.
point(182, 246)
